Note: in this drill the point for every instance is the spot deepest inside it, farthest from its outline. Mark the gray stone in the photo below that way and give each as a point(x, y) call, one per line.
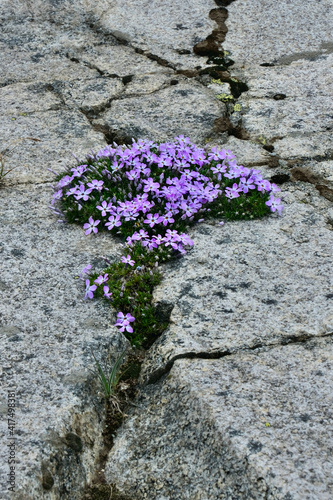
point(251, 425)
point(265, 32)
point(293, 116)
point(44, 318)
point(147, 84)
point(249, 284)
point(299, 79)
point(117, 60)
point(288, 105)
point(187, 108)
point(164, 29)
point(80, 74)
point(305, 146)
point(318, 173)
point(58, 133)
point(247, 153)
point(91, 96)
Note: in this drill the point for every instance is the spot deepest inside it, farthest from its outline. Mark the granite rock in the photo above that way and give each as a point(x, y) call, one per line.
point(187, 108)
point(262, 31)
point(253, 425)
point(81, 74)
point(47, 333)
point(288, 104)
point(249, 284)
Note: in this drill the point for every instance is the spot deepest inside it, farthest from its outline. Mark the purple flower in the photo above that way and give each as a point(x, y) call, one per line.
point(85, 270)
point(123, 322)
point(95, 184)
point(219, 170)
point(72, 191)
point(185, 239)
point(91, 226)
point(64, 181)
point(275, 188)
point(150, 244)
point(105, 207)
point(89, 290)
point(274, 204)
point(82, 192)
point(114, 221)
point(107, 294)
point(78, 171)
point(142, 234)
point(263, 185)
point(150, 185)
point(158, 239)
point(246, 184)
point(56, 196)
point(127, 260)
point(233, 173)
point(233, 192)
point(167, 218)
point(102, 279)
point(152, 219)
point(170, 238)
point(133, 174)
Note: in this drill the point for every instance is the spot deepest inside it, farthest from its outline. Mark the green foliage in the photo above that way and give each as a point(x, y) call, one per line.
point(132, 292)
point(224, 97)
point(132, 287)
point(109, 382)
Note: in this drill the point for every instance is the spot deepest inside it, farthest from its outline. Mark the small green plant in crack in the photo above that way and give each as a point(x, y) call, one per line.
point(149, 194)
point(5, 152)
point(110, 382)
point(132, 293)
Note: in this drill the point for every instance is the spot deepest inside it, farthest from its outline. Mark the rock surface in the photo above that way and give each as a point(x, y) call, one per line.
point(247, 285)
point(288, 67)
point(81, 74)
point(64, 66)
point(249, 425)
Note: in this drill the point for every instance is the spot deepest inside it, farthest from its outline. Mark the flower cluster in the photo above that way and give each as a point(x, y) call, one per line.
point(150, 192)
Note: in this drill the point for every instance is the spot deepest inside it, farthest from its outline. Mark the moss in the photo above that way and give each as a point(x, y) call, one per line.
point(225, 97)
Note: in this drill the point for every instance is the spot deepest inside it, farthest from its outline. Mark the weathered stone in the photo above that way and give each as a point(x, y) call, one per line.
point(247, 153)
point(265, 32)
point(90, 96)
point(246, 285)
point(318, 173)
point(299, 79)
point(168, 31)
point(76, 69)
point(288, 104)
point(305, 146)
point(58, 134)
point(117, 60)
point(252, 425)
point(46, 335)
point(293, 116)
point(187, 108)
point(147, 84)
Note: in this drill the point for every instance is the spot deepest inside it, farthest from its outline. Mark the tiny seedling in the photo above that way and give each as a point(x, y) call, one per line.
point(109, 383)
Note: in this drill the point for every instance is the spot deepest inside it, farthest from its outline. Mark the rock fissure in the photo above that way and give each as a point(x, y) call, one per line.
point(270, 399)
point(157, 375)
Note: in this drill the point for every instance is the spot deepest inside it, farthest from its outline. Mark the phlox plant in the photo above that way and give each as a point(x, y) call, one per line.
point(149, 193)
